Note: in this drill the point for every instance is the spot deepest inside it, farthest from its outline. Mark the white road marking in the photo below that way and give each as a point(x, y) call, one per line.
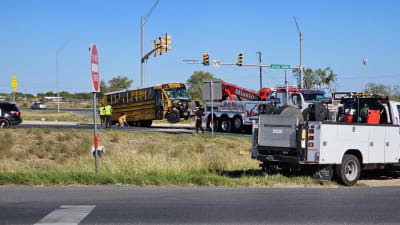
point(67, 215)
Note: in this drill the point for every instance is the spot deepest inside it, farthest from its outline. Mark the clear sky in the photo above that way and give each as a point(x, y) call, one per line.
point(338, 34)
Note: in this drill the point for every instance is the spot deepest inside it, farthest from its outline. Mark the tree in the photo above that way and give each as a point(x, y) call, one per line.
point(195, 82)
point(323, 78)
point(387, 90)
point(118, 83)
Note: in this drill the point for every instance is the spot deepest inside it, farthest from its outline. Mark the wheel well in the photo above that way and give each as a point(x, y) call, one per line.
point(238, 116)
point(356, 153)
point(224, 116)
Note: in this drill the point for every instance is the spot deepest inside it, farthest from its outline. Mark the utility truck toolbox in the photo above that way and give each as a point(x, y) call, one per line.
point(278, 130)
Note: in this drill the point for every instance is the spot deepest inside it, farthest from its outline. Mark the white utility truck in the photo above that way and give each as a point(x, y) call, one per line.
point(364, 135)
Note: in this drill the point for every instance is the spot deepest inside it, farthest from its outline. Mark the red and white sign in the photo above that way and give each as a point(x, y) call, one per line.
point(94, 61)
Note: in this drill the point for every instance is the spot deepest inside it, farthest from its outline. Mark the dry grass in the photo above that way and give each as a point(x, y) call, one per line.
point(54, 116)
point(46, 156)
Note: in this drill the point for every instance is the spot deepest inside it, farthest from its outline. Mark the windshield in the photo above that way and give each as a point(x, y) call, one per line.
point(177, 93)
point(315, 97)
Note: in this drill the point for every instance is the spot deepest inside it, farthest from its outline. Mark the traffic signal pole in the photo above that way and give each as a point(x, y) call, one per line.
point(142, 61)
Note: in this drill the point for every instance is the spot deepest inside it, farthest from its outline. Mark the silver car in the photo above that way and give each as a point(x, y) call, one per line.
point(38, 105)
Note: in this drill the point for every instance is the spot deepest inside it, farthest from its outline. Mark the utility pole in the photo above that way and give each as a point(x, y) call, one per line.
point(144, 19)
point(301, 52)
point(259, 57)
point(365, 60)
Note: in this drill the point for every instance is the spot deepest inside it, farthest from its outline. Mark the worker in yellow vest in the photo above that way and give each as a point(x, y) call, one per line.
point(108, 111)
point(102, 115)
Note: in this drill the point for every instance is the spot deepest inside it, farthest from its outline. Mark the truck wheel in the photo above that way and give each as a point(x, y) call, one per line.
point(4, 123)
point(215, 124)
point(349, 171)
point(225, 125)
point(173, 116)
point(237, 124)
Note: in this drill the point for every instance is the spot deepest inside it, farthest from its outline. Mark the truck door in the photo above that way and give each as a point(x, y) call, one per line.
point(376, 143)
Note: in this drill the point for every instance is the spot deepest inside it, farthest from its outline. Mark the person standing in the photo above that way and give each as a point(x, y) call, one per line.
point(108, 111)
point(102, 115)
point(199, 119)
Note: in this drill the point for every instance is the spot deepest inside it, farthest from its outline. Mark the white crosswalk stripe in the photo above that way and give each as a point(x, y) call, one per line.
point(67, 215)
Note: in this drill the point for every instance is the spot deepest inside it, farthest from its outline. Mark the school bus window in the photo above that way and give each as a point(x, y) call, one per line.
point(108, 99)
point(129, 100)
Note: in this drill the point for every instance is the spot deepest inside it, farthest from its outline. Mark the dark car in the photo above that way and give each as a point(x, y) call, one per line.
point(9, 115)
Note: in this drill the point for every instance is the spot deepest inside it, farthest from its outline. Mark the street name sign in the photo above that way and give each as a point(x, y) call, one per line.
point(280, 66)
point(216, 63)
point(94, 61)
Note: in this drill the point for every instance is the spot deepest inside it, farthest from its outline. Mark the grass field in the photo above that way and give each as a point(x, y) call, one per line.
point(62, 157)
point(54, 116)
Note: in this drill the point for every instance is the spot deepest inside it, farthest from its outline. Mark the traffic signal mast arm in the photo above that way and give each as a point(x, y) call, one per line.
point(146, 57)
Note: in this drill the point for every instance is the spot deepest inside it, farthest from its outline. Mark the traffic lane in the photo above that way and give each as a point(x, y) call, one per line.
point(138, 205)
point(156, 128)
point(81, 112)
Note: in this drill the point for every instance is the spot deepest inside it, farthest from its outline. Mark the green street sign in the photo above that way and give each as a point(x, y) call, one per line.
point(280, 66)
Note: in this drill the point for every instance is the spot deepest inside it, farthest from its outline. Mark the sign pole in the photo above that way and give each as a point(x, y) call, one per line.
point(212, 108)
point(94, 67)
point(95, 134)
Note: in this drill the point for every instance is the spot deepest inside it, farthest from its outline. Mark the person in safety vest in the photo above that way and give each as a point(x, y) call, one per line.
point(102, 115)
point(122, 120)
point(107, 112)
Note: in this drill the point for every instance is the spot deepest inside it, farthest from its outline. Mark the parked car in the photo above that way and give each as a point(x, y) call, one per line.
point(38, 105)
point(9, 115)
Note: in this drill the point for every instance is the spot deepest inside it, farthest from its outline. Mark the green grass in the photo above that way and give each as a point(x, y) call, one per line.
point(54, 116)
point(62, 157)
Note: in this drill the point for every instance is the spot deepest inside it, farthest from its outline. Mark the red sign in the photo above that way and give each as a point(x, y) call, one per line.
point(94, 61)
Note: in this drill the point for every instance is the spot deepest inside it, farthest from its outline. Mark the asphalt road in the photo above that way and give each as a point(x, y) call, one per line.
point(137, 205)
point(155, 128)
point(82, 112)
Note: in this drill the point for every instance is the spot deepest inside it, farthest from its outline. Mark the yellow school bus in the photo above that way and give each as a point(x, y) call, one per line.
point(166, 101)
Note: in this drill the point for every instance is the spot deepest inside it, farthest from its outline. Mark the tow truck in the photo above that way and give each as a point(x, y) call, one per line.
point(232, 115)
point(238, 116)
point(365, 134)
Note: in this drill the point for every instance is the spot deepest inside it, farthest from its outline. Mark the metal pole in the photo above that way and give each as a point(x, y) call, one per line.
point(58, 95)
point(363, 87)
point(141, 59)
point(259, 57)
point(95, 133)
point(301, 61)
point(286, 90)
point(212, 109)
point(14, 98)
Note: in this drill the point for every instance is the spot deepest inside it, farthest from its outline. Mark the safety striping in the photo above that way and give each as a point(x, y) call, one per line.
point(67, 215)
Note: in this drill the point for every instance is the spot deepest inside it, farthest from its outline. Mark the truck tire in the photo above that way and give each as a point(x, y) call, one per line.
point(237, 124)
point(349, 171)
point(225, 125)
point(209, 124)
point(290, 110)
point(173, 116)
point(4, 123)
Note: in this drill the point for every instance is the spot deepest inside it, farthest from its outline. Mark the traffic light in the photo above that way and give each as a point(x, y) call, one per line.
point(161, 50)
point(240, 59)
point(167, 42)
point(206, 58)
point(154, 47)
